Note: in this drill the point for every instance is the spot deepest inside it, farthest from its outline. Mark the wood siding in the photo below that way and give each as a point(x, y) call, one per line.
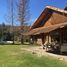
point(56, 18)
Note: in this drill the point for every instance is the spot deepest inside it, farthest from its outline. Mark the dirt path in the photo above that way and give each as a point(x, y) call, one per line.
point(41, 52)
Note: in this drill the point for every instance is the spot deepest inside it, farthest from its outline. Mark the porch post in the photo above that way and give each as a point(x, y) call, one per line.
point(61, 39)
point(48, 39)
point(43, 40)
point(61, 36)
point(46, 42)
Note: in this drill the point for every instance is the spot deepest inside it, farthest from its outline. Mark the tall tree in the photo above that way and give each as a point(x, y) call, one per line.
point(24, 14)
point(11, 15)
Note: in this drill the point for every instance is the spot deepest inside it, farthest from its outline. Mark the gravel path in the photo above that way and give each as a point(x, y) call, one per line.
point(41, 52)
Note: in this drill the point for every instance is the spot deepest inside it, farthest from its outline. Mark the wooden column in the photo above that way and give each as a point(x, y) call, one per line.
point(43, 38)
point(49, 38)
point(61, 36)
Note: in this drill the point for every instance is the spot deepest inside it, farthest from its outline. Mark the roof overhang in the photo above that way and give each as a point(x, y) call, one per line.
point(45, 12)
point(46, 29)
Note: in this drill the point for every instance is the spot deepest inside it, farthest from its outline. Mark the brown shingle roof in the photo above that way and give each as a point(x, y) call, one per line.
point(45, 12)
point(46, 29)
point(57, 9)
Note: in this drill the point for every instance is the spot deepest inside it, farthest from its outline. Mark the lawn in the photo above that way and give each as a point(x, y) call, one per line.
point(13, 56)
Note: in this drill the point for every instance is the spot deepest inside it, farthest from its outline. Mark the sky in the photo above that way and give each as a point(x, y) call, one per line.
point(36, 7)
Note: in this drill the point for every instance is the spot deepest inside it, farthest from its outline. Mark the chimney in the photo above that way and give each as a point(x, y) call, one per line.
point(65, 8)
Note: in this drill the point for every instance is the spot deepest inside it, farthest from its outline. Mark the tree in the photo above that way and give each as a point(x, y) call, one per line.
point(11, 15)
point(23, 15)
point(3, 31)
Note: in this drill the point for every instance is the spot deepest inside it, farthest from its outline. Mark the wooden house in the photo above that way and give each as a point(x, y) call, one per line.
point(51, 27)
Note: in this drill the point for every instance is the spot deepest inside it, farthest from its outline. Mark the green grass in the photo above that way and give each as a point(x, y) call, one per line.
point(13, 56)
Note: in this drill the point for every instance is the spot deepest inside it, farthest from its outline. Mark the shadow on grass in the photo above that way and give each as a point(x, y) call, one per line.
point(15, 43)
point(58, 53)
point(9, 44)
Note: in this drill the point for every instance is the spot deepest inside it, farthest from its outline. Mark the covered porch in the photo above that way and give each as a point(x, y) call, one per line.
point(53, 37)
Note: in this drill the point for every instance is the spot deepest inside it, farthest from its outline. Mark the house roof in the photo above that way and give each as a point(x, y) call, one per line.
point(57, 9)
point(45, 12)
point(46, 29)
